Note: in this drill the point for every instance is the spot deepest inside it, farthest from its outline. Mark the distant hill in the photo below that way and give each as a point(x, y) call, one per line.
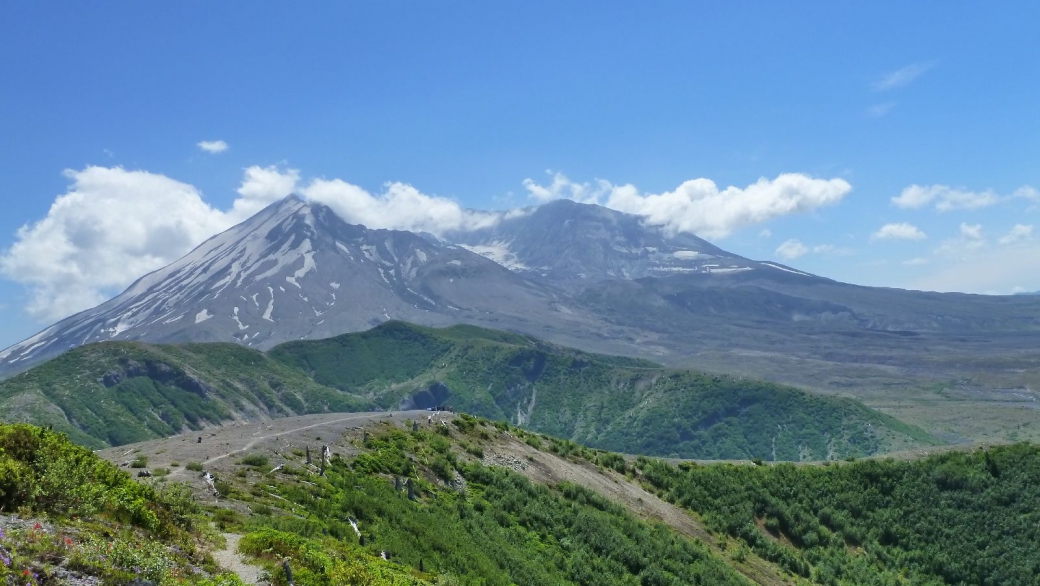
point(115, 393)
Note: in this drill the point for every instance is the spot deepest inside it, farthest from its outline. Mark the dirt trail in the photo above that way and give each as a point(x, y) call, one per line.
point(219, 444)
point(229, 559)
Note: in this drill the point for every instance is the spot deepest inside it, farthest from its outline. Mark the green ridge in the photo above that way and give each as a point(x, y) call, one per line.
point(116, 393)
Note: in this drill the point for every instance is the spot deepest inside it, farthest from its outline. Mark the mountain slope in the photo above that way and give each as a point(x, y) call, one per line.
point(606, 402)
point(570, 243)
point(296, 270)
point(114, 393)
point(118, 392)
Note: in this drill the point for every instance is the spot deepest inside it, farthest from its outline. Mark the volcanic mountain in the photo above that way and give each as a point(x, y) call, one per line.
point(577, 275)
point(297, 271)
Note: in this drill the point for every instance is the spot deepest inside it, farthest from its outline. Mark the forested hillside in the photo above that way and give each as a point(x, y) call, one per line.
point(607, 402)
point(116, 393)
point(955, 518)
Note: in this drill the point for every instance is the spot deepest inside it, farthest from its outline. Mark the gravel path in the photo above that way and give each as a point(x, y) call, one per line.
point(229, 559)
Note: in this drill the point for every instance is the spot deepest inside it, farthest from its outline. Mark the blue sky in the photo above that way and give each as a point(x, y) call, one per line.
point(104, 105)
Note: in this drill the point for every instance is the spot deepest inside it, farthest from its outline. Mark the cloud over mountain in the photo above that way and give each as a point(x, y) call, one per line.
point(109, 228)
point(698, 206)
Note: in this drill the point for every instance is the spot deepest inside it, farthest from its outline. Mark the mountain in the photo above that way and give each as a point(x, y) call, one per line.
point(583, 276)
point(295, 271)
point(572, 243)
point(119, 392)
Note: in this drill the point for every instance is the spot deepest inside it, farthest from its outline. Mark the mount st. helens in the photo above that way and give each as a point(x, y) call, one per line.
point(584, 276)
point(297, 271)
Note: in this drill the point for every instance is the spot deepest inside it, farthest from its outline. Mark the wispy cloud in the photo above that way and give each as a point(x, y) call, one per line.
point(792, 249)
point(946, 198)
point(901, 77)
point(898, 231)
point(1020, 233)
point(213, 146)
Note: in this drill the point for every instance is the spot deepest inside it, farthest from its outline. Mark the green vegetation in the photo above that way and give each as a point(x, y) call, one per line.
point(444, 514)
point(955, 518)
point(613, 403)
point(467, 523)
point(123, 392)
point(115, 393)
point(80, 516)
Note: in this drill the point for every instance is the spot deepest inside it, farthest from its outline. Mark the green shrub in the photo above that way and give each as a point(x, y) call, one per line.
point(255, 460)
point(139, 462)
point(193, 466)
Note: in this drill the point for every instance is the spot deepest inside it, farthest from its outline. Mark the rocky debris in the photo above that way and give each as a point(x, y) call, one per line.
point(504, 461)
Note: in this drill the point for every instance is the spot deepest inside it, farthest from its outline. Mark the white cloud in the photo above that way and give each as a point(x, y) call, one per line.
point(1027, 192)
point(108, 229)
point(563, 188)
point(916, 262)
point(879, 110)
point(792, 249)
point(900, 231)
point(970, 239)
point(262, 186)
point(399, 207)
point(1020, 233)
point(946, 198)
point(765, 233)
point(971, 231)
point(901, 77)
point(699, 206)
point(213, 146)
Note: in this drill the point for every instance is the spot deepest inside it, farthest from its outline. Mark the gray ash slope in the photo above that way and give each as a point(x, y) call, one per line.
point(575, 274)
point(297, 271)
point(574, 244)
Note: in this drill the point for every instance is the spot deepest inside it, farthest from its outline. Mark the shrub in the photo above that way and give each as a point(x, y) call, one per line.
point(193, 466)
point(140, 462)
point(256, 460)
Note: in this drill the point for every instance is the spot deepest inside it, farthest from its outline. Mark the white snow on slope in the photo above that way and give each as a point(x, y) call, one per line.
point(202, 316)
point(270, 306)
point(308, 266)
point(239, 322)
point(785, 269)
point(499, 252)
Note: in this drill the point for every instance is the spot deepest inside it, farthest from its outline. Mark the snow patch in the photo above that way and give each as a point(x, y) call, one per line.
point(344, 249)
point(785, 269)
point(334, 285)
point(308, 266)
point(420, 255)
point(499, 252)
point(270, 306)
point(729, 270)
point(686, 254)
point(237, 321)
point(202, 316)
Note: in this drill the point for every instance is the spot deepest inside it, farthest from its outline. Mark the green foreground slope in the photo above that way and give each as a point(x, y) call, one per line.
point(955, 518)
point(116, 393)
